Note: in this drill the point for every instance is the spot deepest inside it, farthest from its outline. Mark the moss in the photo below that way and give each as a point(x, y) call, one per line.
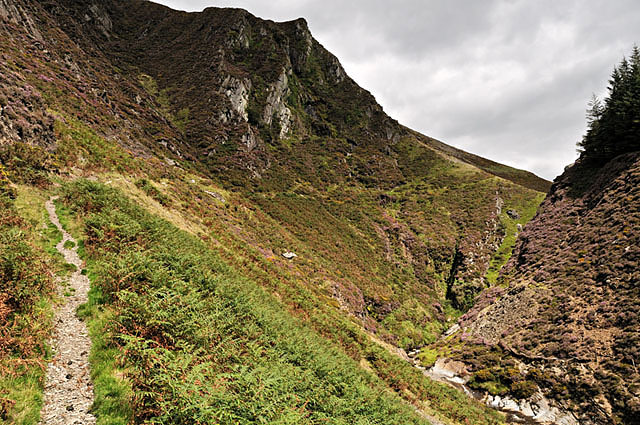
point(509, 227)
point(428, 357)
point(523, 389)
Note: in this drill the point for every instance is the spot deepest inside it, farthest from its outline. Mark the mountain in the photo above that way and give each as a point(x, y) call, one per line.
point(189, 152)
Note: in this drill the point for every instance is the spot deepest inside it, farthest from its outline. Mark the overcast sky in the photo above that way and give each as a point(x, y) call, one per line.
point(506, 79)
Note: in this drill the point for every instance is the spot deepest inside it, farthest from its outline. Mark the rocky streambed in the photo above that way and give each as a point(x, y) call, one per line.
point(537, 410)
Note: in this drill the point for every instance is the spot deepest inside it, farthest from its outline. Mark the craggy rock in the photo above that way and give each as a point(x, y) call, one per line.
point(276, 107)
point(472, 257)
point(15, 12)
point(237, 91)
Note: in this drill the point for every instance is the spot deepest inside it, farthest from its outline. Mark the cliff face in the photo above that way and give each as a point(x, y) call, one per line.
point(571, 307)
point(234, 84)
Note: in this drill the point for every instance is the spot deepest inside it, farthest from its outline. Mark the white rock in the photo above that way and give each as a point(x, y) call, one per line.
point(276, 104)
point(453, 329)
point(249, 139)
point(216, 196)
point(237, 91)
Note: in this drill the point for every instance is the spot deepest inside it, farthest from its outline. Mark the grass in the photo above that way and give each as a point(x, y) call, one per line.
point(527, 210)
point(26, 294)
point(21, 395)
point(112, 391)
point(262, 355)
point(182, 312)
point(80, 145)
point(291, 284)
point(147, 187)
point(428, 357)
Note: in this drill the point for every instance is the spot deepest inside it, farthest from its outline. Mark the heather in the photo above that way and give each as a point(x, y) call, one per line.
point(564, 319)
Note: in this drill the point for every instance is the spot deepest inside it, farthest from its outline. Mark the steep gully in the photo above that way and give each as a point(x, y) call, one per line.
point(68, 393)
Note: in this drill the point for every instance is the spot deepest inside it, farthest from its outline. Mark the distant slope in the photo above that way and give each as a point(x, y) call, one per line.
point(266, 108)
point(521, 177)
point(268, 81)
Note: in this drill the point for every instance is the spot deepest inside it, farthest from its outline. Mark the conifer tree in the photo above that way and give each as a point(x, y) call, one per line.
point(614, 124)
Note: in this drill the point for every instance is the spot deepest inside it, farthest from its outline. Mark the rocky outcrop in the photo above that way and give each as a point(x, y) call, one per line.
point(536, 409)
point(300, 49)
point(15, 12)
point(337, 73)
point(99, 17)
point(237, 92)
point(471, 259)
point(249, 139)
point(276, 107)
point(238, 36)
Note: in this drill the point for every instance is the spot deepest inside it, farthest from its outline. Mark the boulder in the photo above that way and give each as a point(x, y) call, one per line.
point(513, 214)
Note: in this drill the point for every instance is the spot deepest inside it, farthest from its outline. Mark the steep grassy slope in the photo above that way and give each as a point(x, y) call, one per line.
point(26, 293)
point(248, 135)
point(176, 310)
point(569, 313)
point(205, 346)
point(268, 110)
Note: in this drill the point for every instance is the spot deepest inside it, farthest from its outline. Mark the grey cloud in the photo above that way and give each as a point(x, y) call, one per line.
point(506, 79)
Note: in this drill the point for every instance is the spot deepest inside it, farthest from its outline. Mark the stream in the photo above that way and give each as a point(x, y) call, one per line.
point(535, 412)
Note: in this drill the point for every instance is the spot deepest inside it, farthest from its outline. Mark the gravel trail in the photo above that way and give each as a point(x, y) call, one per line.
point(68, 392)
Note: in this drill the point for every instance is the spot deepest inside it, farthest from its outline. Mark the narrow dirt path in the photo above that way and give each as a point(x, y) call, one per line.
point(68, 392)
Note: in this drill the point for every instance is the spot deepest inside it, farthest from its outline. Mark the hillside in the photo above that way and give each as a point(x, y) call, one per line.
point(567, 318)
point(190, 151)
point(563, 322)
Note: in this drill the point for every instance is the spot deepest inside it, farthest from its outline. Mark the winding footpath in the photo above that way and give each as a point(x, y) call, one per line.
point(68, 392)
